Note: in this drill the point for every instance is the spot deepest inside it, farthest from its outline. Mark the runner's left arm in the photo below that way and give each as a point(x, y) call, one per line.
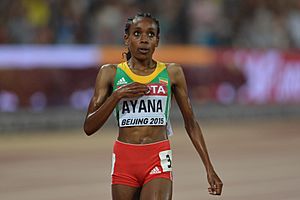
point(192, 127)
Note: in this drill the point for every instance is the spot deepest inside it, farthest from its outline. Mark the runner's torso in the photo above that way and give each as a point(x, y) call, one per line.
point(143, 119)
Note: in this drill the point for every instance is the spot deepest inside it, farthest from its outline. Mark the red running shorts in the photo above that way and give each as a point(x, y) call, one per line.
point(137, 164)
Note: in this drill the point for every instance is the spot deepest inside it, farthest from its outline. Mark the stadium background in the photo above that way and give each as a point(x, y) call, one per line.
point(242, 63)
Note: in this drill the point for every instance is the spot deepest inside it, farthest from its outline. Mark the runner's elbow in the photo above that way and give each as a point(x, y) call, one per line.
point(88, 130)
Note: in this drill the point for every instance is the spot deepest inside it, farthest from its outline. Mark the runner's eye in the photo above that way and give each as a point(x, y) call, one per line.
point(151, 34)
point(136, 33)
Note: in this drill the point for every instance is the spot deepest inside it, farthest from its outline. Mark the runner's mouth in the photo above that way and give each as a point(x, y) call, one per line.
point(143, 50)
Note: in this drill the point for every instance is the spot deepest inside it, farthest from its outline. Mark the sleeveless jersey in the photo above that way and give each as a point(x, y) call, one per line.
point(151, 109)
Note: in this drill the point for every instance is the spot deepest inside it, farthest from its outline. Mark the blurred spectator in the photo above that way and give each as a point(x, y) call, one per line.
point(19, 29)
point(293, 24)
point(105, 24)
point(264, 29)
point(204, 18)
point(37, 12)
point(173, 21)
point(69, 21)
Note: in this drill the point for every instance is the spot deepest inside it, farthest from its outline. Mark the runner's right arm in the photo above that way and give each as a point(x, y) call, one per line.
point(105, 100)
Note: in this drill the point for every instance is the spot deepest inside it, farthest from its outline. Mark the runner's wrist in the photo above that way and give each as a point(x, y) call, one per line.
point(116, 95)
point(209, 168)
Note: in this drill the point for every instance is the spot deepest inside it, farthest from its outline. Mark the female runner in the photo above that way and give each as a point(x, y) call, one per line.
point(140, 91)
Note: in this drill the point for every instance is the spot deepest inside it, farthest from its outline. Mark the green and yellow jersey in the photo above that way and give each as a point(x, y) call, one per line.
point(151, 109)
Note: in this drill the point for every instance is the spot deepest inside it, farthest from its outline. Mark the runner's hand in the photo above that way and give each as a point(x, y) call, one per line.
point(132, 90)
point(215, 183)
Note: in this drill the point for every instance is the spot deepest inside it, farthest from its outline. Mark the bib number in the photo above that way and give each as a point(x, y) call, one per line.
point(166, 160)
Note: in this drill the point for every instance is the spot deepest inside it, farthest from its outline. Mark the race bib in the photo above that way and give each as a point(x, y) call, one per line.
point(148, 110)
point(166, 160)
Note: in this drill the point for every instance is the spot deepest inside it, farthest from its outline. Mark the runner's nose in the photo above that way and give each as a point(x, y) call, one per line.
point(144, 38)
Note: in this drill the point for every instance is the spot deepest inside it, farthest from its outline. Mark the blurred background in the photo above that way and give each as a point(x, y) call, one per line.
point(233, 52)
point(241, 59)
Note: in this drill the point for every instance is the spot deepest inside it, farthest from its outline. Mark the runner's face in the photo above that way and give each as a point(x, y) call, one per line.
point(142, 39)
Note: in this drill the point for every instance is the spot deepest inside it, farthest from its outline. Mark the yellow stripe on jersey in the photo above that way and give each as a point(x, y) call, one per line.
point(142, 79)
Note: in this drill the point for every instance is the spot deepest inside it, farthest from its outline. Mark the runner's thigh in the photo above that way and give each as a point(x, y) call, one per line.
point(124, 192)
point(157, 189)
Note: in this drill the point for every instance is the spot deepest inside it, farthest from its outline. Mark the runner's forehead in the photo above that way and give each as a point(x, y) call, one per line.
point(140, 22)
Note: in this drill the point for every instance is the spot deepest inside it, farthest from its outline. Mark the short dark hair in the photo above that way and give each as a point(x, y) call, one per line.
point(147, 15)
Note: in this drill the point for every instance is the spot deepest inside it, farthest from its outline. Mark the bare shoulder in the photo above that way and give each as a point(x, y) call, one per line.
point(108, 70)
point(173, 67)
point(106, 74)
point(175, 72)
